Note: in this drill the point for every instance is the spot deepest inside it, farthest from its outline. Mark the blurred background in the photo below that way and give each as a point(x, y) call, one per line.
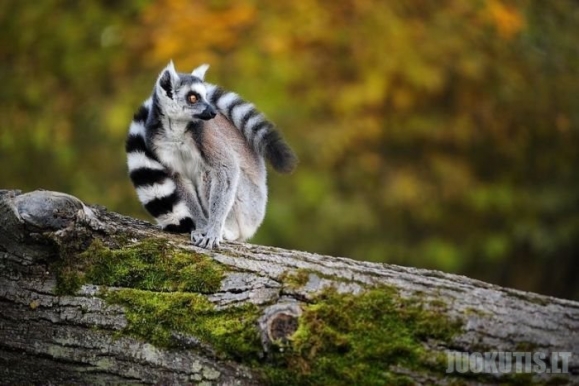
point(431, 134)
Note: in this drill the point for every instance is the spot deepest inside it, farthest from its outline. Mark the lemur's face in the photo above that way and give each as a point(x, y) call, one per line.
point(183, 97)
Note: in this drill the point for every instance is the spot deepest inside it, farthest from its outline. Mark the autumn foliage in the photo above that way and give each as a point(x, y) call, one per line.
point(440, 134)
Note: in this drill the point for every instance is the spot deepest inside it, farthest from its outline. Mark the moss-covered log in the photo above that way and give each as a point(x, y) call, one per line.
point(88, 296)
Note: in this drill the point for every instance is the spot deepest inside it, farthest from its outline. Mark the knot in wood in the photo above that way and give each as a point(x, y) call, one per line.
point(282, 326)
point(278, 323)
point(47, 210)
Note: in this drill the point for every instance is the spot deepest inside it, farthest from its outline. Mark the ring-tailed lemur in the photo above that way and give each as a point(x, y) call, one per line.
point(196, 158)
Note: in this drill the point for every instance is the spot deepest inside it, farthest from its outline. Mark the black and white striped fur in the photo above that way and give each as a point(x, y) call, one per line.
point(257, 130)
point(199, 167)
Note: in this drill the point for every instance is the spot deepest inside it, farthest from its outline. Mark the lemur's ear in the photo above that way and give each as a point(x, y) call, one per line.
point(168, 79)
point(200, 71)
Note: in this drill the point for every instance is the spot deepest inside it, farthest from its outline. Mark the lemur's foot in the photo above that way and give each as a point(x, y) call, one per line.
point(205, 239)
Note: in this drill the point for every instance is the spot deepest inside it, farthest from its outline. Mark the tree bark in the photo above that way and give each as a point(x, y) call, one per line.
point(50, 338)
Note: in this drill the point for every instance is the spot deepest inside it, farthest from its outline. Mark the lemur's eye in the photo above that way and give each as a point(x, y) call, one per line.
point(192, 98)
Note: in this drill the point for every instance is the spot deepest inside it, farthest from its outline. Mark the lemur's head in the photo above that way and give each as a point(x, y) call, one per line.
point(183, 97)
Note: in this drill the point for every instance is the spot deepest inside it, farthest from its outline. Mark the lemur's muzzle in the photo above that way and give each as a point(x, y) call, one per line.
point(207, 114)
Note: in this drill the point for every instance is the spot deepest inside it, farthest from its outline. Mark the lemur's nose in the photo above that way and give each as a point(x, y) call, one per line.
point(211, 111)
point(207, 114)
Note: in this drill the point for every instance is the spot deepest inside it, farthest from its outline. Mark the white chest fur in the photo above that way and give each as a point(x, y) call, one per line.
point(178, 151)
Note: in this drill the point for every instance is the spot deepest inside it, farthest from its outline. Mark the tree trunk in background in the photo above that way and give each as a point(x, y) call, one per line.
point(46, 338)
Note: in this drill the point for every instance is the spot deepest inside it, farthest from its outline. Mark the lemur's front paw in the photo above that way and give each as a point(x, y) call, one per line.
point(205, 239)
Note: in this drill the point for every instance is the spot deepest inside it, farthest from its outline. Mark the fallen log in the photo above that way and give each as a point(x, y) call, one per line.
point(88, 296)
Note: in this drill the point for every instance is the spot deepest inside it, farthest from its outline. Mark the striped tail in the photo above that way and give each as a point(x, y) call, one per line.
point(258, 131)
point(156, 189)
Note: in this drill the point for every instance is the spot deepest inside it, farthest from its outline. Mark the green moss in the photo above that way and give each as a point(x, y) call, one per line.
point(152, 264)
point(295, 279)
point(157, 317)
point(163, 295)
point(68, 279)
point(344, 339)
point(438, 304)
point(475, 311)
